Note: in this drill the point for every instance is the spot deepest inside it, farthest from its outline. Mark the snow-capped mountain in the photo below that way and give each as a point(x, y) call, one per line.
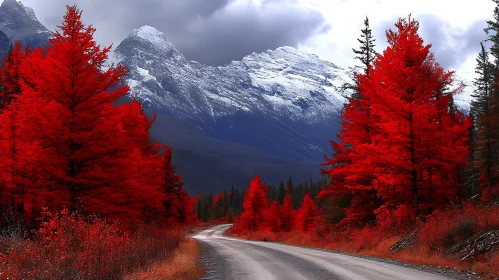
point(19, 23)
point(282, 83)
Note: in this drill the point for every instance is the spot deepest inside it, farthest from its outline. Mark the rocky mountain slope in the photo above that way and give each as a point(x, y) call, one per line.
point(4, 44)
point(283, 83)
point(283, 102)
point(19, 23)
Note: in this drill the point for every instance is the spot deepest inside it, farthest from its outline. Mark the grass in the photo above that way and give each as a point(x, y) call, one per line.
point(183, 265)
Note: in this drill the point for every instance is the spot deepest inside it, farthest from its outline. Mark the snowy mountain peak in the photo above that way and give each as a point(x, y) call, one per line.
point(284, 83)
point(151, 35)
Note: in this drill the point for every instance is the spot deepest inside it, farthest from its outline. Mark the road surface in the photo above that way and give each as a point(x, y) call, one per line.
point(231, 258)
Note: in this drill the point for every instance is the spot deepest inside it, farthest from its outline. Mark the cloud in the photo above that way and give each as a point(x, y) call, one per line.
point(212, 32)
point(451, 45)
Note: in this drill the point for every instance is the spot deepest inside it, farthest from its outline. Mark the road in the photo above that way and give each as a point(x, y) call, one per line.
point(231, 258)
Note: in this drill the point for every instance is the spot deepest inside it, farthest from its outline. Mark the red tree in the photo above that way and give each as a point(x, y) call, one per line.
point(273, 217)
point(91, 150)
point(401, 139)
point(254, 205)
point(420, 140)
point(307, 215)
point(18, 156)
point(351, 173)
point(287, 212)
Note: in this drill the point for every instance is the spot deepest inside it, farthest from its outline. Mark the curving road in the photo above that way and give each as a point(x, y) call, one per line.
point(231, 258)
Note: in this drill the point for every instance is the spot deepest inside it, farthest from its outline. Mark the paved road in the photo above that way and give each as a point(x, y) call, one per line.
point(231, 258)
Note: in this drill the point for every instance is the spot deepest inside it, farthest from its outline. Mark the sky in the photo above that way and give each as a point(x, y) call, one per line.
point(216, 32)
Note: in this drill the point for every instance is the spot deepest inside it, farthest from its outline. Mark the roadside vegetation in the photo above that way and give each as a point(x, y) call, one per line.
point(411, 177)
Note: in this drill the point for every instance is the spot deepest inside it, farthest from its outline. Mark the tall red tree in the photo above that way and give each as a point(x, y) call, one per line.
point(420, 140)
point(308, 215)
point(91, 148)
point(287, 212)
point(254, 205)
point(351, 174)
point(273, 217)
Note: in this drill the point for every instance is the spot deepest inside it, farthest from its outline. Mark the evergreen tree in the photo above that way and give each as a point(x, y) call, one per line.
point(482, 157)
point(282, 192)
point(492, 133)
point(366, 55)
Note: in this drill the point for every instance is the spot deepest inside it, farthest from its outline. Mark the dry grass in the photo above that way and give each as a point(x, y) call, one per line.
point(183, 265)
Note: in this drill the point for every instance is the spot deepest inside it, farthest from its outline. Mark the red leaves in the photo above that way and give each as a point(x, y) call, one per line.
point(218, 198)
point(287, 213)
point(254, 204)
point(402, 138)
point(65, 141)
point(308, 215)
point(259, 216)
point(73, 246)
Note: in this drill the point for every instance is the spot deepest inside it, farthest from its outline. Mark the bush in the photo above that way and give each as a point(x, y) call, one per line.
point(72, 246)
point(445, 228)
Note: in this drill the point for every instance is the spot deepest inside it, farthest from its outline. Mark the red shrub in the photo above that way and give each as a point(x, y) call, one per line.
point(70, 246)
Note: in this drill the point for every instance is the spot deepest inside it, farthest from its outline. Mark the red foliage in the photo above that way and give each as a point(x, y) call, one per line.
point(273, 220)
point(447, 227)
point(422, 140)
point(402, 140)
point(177, 203)
point(254, 204)
point(65, 141)
point(308, 215)
point(287, 212)
point(71, 246)
point(218, 198)
point(16, 153)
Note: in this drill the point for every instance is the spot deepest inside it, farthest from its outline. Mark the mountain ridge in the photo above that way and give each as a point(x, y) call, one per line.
point(275, 78)
point(20, 23)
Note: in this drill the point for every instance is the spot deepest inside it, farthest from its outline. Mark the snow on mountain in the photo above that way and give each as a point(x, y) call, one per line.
point(281, 83)
point(19, 23)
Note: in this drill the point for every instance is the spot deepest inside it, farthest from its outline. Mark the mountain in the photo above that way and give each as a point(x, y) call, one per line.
point(282, 102)
point(19, 23)
point(212, 165)
point(4, 44)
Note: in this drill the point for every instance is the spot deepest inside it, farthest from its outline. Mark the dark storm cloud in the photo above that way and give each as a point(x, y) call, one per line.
point(451, 46)
point(209, 31)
